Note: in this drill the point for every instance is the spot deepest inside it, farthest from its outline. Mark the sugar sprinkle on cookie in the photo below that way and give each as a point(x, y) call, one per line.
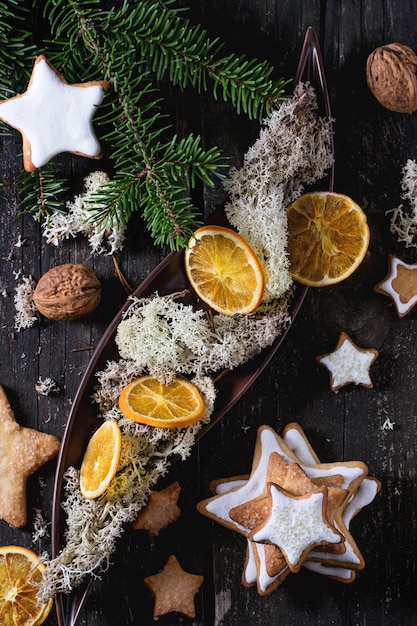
point(174, 589)
point(54, 116)
point(348, 363)
point(400, 284)
point(22, 452)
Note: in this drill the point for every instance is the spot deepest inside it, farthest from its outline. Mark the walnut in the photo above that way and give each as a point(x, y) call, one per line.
point(391, 76)
point(67, 292)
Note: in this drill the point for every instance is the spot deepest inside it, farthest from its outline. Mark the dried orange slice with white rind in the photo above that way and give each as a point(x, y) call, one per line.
point(149, 401)
point(101, 460)
point(21, 573)
point(328, 237)
point(224, 271)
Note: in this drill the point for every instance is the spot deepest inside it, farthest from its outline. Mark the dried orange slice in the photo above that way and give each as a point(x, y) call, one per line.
point(224, 271)
point(101, 460)
point(328, 237)
point(21, 572)
point(151, 402)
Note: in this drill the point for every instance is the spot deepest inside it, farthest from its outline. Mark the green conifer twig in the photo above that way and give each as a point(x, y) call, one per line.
point(135, 46)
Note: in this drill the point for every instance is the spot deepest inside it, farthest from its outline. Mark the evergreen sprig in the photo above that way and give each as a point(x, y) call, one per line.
point(42, 191)
point(16, 45)
point(136, 46)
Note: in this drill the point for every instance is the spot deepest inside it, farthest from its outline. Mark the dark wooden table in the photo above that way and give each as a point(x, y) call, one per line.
point(372, 146)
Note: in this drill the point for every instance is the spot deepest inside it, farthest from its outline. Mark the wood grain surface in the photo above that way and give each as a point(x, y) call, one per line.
point(372, 146)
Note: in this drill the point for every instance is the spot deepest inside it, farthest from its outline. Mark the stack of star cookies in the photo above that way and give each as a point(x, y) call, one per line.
point(293, 510)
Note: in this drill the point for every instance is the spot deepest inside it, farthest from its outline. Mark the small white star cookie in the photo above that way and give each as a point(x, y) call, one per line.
point(348, 363)
point(400, 284)
point(54, 116)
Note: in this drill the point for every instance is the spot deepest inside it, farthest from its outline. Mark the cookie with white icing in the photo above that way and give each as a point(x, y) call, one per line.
point(54, 116)
point(348, 364)
point(400, 284)
point(265, 565)
point(267, 442)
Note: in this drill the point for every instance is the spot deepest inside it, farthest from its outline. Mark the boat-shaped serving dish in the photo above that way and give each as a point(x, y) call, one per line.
point(168, 277)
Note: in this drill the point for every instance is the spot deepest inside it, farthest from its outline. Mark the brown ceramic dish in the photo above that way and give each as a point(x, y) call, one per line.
point(167, 277)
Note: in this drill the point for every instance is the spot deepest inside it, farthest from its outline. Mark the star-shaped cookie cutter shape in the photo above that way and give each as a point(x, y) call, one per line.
point(54, 116)
point(400, 284)
point(348, 363)
point(22, 452)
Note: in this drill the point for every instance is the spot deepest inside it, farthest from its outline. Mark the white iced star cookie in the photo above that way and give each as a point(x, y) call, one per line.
point(400, 284)
point(348, 364)
point(296, 524)
point(54, 116)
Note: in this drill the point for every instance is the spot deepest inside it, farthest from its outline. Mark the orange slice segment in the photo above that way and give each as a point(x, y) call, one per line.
point(328, 237)
point(101, 460)
point(20, 575)
point(151, 402)
point(224, 271)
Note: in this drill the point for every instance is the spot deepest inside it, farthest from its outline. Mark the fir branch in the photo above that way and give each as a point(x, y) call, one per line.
point(42, 191)
point(16, 45)
point(135, 47)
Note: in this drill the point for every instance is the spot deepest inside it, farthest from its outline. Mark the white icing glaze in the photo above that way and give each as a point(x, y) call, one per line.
point(256, 572)
point(349, 365)
point(55, 117)
point(228, 485)
point(297, 443)
point(295, 524)
point(264, 580)
point(329, 570)
point(219, 506)
point(250, 572)
point(351, 557)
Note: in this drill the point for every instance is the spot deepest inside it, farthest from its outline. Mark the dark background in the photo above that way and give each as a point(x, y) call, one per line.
point(372, 146)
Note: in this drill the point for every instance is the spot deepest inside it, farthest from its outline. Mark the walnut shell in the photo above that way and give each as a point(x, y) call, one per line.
point(67, 292)
point(391, 76)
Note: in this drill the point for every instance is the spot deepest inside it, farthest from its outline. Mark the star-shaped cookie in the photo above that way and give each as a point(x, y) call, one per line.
point(295, 524)
point(266, 566)
point(400, 284)
point(218, 507)
point(174, 589)
point(160, 510)
point(54, 116)
point(22, 452)
point(348, 363)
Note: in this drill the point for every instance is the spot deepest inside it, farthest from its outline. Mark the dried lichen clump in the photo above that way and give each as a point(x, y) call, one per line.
point(404, 218)
point(84, 217)
point(293, 150)
point(166, 337)
point(93, 526)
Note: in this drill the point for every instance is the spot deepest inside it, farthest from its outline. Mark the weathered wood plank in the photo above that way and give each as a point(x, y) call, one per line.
point(372, 146)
